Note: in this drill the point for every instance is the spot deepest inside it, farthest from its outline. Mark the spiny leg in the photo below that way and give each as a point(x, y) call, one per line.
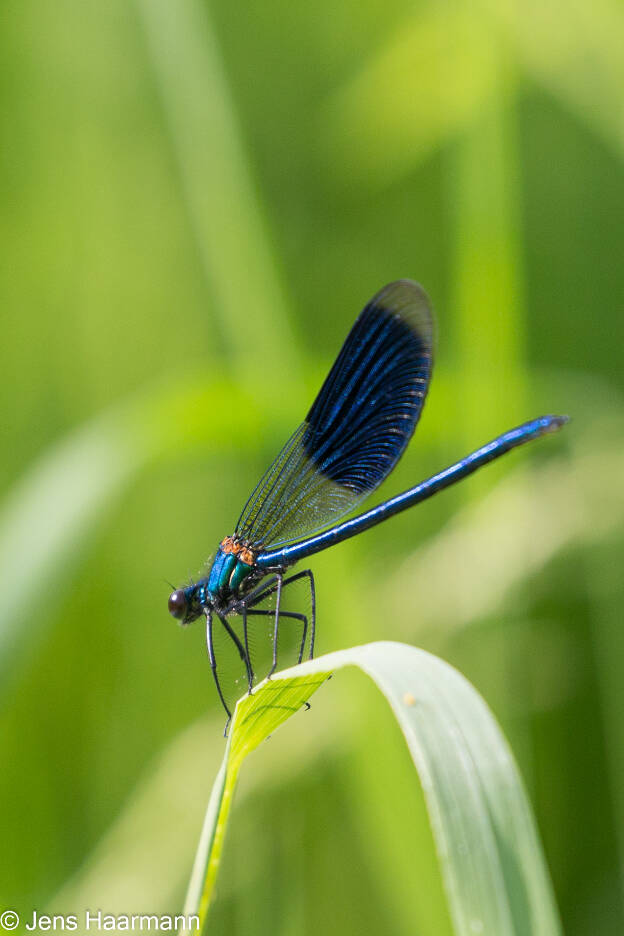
point(263, 592)
point(276, 625)
point(308, 572)
point(264, 588)
point(266, 612)
point(233, 635)
point(250, 672)
point(242, 650)
point(213, 666)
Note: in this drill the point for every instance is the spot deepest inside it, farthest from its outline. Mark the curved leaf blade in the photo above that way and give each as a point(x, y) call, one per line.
point(491, 859)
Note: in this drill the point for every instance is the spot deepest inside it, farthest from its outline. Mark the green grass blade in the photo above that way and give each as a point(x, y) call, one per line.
point(490, 856)
point(224, 207)
point(488, 307)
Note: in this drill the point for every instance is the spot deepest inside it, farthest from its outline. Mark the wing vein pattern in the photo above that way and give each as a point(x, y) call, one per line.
point(358, 426)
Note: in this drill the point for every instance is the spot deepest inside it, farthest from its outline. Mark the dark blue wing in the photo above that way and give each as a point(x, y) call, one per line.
point(358, 426)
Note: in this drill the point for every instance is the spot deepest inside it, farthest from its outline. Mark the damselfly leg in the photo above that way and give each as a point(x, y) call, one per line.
point(276, 642)
point(213, 667)
point(276, 586)
point(291, 615)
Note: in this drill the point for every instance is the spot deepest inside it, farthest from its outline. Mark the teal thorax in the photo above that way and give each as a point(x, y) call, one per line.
point(228, 571)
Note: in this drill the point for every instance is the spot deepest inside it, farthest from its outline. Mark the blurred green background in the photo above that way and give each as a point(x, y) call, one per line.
point(197, 201)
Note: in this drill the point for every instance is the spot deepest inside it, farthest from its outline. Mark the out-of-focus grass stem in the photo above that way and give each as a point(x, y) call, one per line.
point(219, 193)
point(489, 328)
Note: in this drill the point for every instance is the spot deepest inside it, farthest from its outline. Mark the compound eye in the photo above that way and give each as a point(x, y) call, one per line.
point(177, 604)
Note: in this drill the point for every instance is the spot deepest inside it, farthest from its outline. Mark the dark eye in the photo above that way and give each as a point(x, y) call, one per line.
point(177, 604)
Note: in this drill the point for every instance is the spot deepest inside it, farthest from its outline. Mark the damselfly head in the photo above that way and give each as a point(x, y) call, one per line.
point(178, 605)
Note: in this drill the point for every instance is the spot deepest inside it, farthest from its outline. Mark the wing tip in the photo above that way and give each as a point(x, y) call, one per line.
point(410, 300)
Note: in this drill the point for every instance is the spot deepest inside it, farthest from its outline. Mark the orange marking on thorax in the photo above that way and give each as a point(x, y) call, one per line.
point(232, 546)
point(247, 555)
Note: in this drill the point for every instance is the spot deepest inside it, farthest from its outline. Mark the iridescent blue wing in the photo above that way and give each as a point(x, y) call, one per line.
point(358, 426)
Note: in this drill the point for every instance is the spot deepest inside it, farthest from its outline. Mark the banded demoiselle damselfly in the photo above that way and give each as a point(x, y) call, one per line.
point(351, 439)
